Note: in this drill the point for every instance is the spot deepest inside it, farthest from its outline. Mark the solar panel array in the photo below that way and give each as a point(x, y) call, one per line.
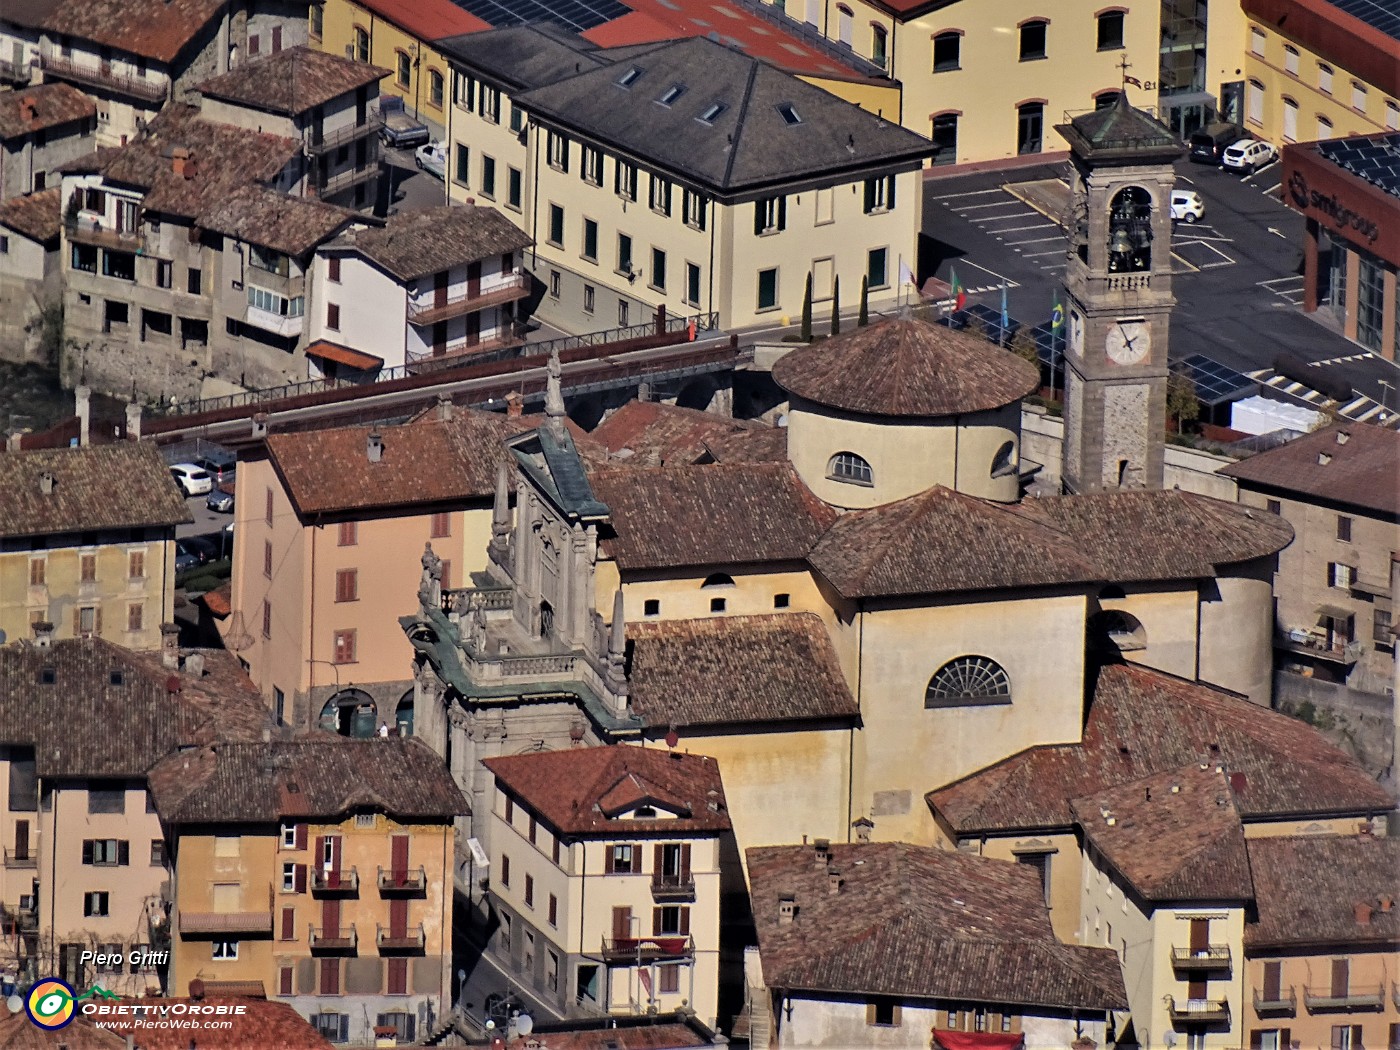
point(576, 15)
point(1383, 14)
point(1375, 159)
point(1215, 383)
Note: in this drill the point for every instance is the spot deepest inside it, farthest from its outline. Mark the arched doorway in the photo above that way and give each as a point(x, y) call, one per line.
point(403, 714)
point(546, 620)
point(351, 712)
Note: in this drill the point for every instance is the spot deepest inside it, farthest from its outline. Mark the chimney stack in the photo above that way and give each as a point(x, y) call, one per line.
point(47, 482)
point(787, 909)
point(170, 646)
point(514, 405)
point(375, 446)
point(444, 407)
point(194, 665)
point(821, 849)
point(180, 162)
point(133, 421)
point(83, 396)
point(1387, 902)
point(1362, 911)
point(864, 827)
point(43, 634)
point(26, 108)
point(833, 881)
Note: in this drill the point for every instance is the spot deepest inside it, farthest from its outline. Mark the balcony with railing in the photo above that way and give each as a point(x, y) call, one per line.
point(17, 920)
point(1214, 957)
point(14, 72)
point(318, 141)
point(1198, 1011)
point(672, 887)
point(344, 882)
point(21, 858)
point(328, 186)
point(402, 881)
point(205, 923)
point(339, 940)
point(1310, 643)
point(460, 351)
point(88, 230)
point(515, 286)
point(101, 76)
point(1280, 1001)
point(642, 950)
point(389, 940)
point(1360, 997)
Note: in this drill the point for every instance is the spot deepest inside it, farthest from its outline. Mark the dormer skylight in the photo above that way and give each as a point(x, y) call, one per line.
point(788, 113)
point(633, 74)
point(711, 112)
point(672, 93)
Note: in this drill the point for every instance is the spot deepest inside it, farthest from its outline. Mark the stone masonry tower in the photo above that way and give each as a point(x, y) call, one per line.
point(1119, 283)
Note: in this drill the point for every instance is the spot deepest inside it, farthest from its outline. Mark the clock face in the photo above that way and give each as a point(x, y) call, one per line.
point(1128, 342)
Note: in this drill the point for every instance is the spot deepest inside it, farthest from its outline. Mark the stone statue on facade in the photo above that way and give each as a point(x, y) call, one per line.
point(430, 587)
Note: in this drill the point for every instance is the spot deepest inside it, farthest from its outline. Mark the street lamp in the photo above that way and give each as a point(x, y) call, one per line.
point(1385, 393)
point(461, 980)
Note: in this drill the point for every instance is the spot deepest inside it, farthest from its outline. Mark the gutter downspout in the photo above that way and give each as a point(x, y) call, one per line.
point(311, 631)
point(851, 750)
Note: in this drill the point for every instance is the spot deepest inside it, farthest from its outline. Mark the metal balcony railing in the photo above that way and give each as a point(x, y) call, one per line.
point(327, 187)
point(672, 887)
point(91, 231)
point(320, 142)
point(342, 881)
point(1212, 957)
point(1285, 1002)
point(1363, 997)
point(410, 940)
point(15, 72)
point(647, 949)
point(402, 880)
point(102, 76)
point(27, 859)
point(1198, 1011)
point(340, 939)
point(515, 286)
point(457, 350)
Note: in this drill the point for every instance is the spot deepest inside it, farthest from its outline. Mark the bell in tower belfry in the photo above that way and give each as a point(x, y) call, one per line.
point(1118, 284)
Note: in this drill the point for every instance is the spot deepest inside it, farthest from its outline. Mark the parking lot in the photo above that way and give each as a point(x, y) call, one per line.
point(1238, 271)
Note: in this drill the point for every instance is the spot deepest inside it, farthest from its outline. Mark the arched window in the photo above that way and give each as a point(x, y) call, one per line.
point(968, 681)
point(403, 68)
point(845, 25)
point(350, 712)
point(435, 88)
point(1004, 461)
point(1033, 35)
point(718, 579)
point(1324, 78)
point(879, 46)
point(403, 714)
point(1113, 630)
point(1324, 127)
point(850, 468)
point(1290, 119)
point(947, 51)
point(1106, 99)
point(1030, 127)
point(1130, 230)
point(361, 45)
point(1110, 26)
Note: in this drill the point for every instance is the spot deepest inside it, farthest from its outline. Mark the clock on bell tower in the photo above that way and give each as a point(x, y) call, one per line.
point(1118, 283)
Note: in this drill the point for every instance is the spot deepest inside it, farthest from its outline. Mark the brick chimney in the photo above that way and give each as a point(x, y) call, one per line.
point(514, 405)
point(26, 109)
point(181, 163)
point(374, 446)
point(821, 851)
point(833, 881)
point(1362, 912)
point(194, 665)
point(1386, 902)
point(787, 909)
point(259, 424)
point(82, 397)
point(47, 482)
point(43, 634)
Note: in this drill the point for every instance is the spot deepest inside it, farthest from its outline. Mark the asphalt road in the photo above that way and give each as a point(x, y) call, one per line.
point(411, 189)
point(1238, 282)
point(206, 522)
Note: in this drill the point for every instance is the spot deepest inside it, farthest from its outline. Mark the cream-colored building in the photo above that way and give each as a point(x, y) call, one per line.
point(606, 878)
point(329, 525)
point(700, 181)
point(84, 862)
point(1337, 488)
point(321, 880)
point(89, 567)
point(1317, 70)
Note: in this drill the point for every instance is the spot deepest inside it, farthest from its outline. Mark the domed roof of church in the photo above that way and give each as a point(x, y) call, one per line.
point(907, 368)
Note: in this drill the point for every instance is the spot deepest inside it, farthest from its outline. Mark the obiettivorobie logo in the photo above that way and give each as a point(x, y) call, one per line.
point(52, 1004)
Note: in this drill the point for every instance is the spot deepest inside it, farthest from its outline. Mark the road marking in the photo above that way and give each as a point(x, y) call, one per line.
point(1187, 180)
point(1365, 355)
point(1281, 280)
point(1012, 217)
point(995, 204)
point(1190, 267)
point(1042, 240)
point(1034, 255)
point(970, 193)
point(1018, 229)
point(1000, 279)
point(1266, 167)
point(1272, 189)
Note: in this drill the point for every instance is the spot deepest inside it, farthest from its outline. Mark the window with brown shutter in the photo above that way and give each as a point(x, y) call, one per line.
point(347, 585)
point(441, 525)
point(135, 616)
point(1273, 980)
point(301, 833)
point(349, 534)
point(87, 568)
point(136, 565)
point(267, 558)
point(505, 870)
point(510, 810)
point(446, 581)
point(1341, 977)
point(299, 880)
point(621, 923)
point(344, 649)
point(289, 924)
point(267, 619)
point(333, 269)
point(534, 830)
point(883, 1012)
point(333, 317)
point(37, 571)
point(267, 507)
point(398, 976)
point(669, 979)
point(556, 849)
point(284, 980)
point(529, 891)
point(330, 976)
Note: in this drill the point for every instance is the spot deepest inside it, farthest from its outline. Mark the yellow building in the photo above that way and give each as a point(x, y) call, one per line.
point(329, 525)
point(606, 878)
point(84, 856)
point(1317, 70)
point(644, 189)
point(401, 38)
point(315, 871)
point(87, 543)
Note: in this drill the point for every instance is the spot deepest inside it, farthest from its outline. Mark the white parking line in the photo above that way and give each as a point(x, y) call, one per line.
point(1042, 240)
point(1000, 279)
point(1024, 213)
point(1017, 229)
point(1036, 255)
point(970, 193)
point(1010, 202)
point(1271, 190)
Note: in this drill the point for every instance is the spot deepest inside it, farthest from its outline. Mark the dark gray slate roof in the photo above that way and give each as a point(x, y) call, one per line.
point(522, 56)
point(750, 145)
point(1120, 130)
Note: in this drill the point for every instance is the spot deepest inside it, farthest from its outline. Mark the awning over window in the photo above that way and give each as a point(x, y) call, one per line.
point(1333, 612)
point(946, 1040)
point(343, 355)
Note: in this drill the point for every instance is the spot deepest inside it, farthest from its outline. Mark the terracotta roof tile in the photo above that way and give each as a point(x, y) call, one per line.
point(54, 105)
point(906, 368)
point(262, 216)
point(424, 462)
point(37, 216)
point(1306, 889)
point(1359, 470)
point(920, 922)
point(427, 19)
point(654, 434)
point(158, 29)
point(613, 1035)
point(416, 243)
point(292, 81)
point(320, 776)
point(721, 514)
point(117, 486)
point(219, 601)
point(262, 1026)
point(581, 791)
point(1143, 722)
point(81, 724)
point(18, 1032)
point(735, 669)
point(761, 445)
point(1175, 836)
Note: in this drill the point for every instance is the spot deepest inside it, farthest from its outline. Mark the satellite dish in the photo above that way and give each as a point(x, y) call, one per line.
point(1169, 1038)
point(524, 1024)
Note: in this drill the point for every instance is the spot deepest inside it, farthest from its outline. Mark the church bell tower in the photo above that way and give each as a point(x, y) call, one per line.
point(1118, 284)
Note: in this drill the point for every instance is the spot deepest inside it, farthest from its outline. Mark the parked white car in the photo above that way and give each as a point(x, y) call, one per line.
point(432, 158)
point(1248, 156)
point(193, 480)
point(1187, 206)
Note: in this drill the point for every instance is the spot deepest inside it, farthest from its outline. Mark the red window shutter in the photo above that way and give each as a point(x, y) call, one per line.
point(398, 918)
point(658, 862)
point(622, 923)
point(330, 976)
point(289, 924)
point(685, 863)
point(301, 836)
point(330, 917)
point(319, 855)
point(284, 980)
point(300, 880)
point(398, 852)
point(398, 976)
point(685, 921)
point(655, 921)
point(636, 858)
point(609, 862)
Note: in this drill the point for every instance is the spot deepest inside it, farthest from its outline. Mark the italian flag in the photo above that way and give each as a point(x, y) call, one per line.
point(959, 296)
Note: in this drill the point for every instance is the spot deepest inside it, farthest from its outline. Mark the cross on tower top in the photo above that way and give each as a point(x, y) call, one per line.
point(1123, 66)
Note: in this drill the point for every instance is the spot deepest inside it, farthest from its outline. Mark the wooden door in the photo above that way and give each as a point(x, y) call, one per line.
point(330, 918)
point(1200, 936)
point(1341, 977)
point(1273, 981)
point(439, 338)
point(622, 924)
point(398, 846)
point(473, 329)
point(21, 840)
point(440, 289)
point(398, 919)
point(474, 279)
